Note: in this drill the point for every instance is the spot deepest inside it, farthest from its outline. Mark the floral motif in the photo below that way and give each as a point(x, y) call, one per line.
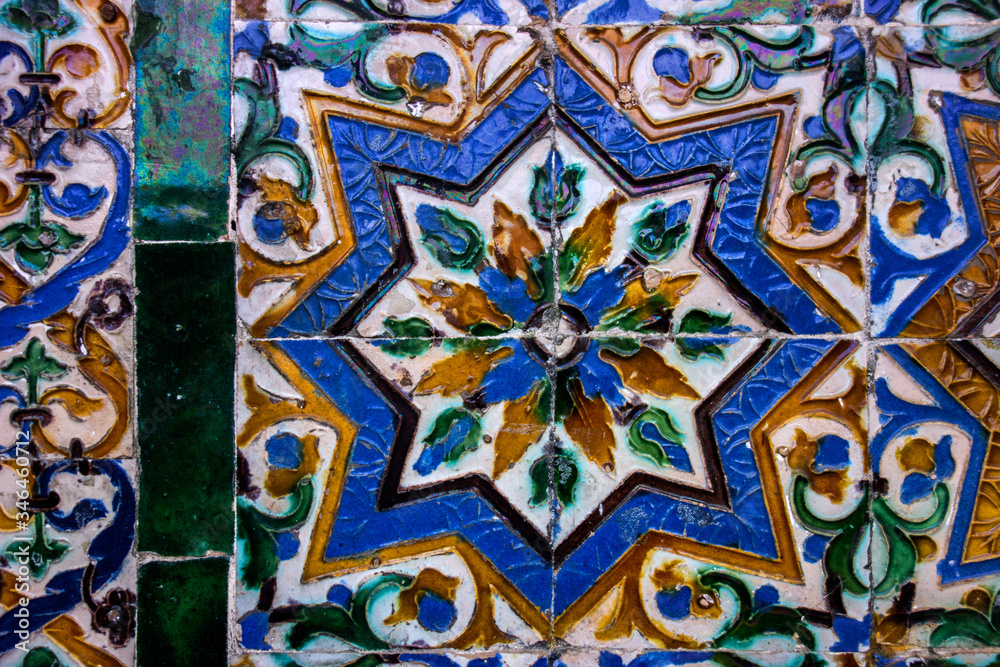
point(115, 616)
point(570, 354)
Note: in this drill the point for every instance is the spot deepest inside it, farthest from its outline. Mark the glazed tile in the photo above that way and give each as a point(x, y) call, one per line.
point(932, 456)
point(67, 476)
point(182, 119)
point(806, 225)
point(937, 14)
point(67, 379)
point(79, 571)
point(665, 658)
point(452, 12)
point(646, 12)
point(943, 658)
point(184, 616)
point(670, 158)
point(81, 64)
point(475, 333)
point(186, 350)
point(932, 133)
point(306, 408)
point(304, 268)
point(758, 546)
point(448, 659)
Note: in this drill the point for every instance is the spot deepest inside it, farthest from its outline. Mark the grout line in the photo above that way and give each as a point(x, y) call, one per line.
point(545, 33)
point(144, 557)
point(233, 627)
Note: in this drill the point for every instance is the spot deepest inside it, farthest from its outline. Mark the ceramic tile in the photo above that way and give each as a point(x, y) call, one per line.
point(185, 326)
point(474, 260)
point(943, 658)
point(65, 268)
point(73, 60)
point(183, 619)
point(932, 516)
point(452, 12)
point(473, 333)
point(567, 659)
point(67, 361)
point(67, 379)
point(669, 82)
point(616, 447)
point(665, 658)
point(318, 560)
point(937, 15)
point(304, 268)
point(73, 564)
point(931, 137)
point(681, 558)
point(646, 12)
point(447, 659)
point(182, 119)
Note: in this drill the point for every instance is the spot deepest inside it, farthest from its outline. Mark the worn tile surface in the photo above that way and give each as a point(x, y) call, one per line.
point(499, 333)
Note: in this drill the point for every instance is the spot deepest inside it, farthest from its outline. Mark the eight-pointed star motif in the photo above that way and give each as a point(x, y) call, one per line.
point(507, 333)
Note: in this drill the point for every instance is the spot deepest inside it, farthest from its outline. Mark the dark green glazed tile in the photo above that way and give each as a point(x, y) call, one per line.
point(182, 119)
point(182, 613)
point(186, 352)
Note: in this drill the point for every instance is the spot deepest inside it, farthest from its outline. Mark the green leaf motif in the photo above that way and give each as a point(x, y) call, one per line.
point(257, 532)
point(455, 432)
point(555, 190)
point(703, 321)
point(41, 656)
point(566, 474)
point(659, 232)
point(539, 474)
point(33, 366)
point(751, 623)
point(544, 275)
point(838, 559)
point(456, 242)
point(418, 330)
point(259, 136)
point(699, 321)
point(333, 621)
point(625, 347)
point(646, 448)
point(40, 551)
point(892, 136)
point(896, 531)
point(367, 661)
point(349, 623)
point(841, 552)
point(36, 245)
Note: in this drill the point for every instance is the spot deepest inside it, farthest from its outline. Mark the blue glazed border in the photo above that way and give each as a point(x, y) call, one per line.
point(360, 527)
point(359, 147)
point(897, 415)
point(890, 263)
point(57, 293)
point(744, 148)
point(748, 525)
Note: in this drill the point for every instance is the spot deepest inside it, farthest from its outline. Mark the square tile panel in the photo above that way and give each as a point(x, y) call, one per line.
point(475, 333)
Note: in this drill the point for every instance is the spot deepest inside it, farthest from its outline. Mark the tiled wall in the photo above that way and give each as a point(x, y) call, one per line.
point(474, 333)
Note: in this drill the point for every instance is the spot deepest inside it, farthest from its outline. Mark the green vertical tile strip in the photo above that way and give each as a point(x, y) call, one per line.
point(186, 351)
point(182, 613)
point(181, 119)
